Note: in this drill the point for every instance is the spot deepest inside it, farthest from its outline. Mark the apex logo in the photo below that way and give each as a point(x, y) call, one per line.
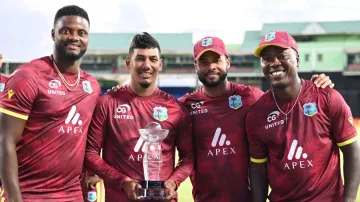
point(138, 145)
point(222, 139)
point(139, 156)
point(299, 154)
point(73, 118)
point(223, 151)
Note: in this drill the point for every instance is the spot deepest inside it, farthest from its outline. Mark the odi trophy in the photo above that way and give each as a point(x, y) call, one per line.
point(152, 186)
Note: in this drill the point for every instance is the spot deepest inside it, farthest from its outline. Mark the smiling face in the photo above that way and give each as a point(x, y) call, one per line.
point(70, 35)
point(279, 65)
point(144, 66)
point(212, 68)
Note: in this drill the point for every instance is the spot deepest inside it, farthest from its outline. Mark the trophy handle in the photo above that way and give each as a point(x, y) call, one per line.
point(152, 161)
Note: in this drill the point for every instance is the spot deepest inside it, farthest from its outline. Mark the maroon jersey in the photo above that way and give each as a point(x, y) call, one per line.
point(51, 150)
point(115, 127)
point(303, 151)
point(222, 157)
point(3, 80)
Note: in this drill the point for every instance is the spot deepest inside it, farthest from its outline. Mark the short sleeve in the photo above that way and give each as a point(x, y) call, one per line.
point(258, 150)
point(257, 93)
point(19, 94)
point(342, 126)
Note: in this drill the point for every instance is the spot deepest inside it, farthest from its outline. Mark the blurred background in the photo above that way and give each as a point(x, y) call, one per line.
point(327, 33)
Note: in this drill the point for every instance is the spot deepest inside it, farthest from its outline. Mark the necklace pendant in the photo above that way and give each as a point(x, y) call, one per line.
point(286, 118)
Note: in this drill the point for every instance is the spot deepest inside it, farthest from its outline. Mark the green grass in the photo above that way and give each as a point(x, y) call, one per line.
point(185, 191)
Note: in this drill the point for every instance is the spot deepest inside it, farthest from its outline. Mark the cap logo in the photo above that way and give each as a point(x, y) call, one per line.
point(269, 36)
point(206, 42)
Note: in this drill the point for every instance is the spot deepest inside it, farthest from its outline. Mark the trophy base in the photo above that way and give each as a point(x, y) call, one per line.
point(153, 190)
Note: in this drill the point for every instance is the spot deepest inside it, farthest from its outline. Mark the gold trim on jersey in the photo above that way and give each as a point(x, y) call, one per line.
point(10, 113)
point(258, 160)
point(349, 141)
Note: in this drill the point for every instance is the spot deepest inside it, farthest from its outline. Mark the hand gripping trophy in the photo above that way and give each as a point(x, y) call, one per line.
point(152, 186)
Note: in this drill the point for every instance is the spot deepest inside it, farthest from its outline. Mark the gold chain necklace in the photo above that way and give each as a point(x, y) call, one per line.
point(66, 84)
point(286, 114)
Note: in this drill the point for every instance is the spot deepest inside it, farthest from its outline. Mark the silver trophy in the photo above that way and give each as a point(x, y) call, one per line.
point(152, 186)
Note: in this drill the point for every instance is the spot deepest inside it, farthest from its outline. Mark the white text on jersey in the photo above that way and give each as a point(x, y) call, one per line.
point(73, 123)
point(297, 163)
point(121, 112)
point(222, 151)
point(196, 108)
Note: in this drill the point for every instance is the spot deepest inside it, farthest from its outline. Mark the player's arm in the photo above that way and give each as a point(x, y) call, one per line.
point(258, 165)
point(96, 137)
point(259, 181)
point(322, 81)
point(185, 147)
point(347, 139)
point(10, 134)
point(15, 105)
point(351, 154)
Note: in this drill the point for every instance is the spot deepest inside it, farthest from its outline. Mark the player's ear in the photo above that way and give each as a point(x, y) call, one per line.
point(53, 34)
point(228, 63)
point(298, 61)
point(127, 62)
point(196, 66)
point(160, 65)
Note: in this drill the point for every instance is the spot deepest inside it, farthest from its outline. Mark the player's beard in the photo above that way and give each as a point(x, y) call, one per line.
point(144, 84)
point(213, 83)
point(61, 49)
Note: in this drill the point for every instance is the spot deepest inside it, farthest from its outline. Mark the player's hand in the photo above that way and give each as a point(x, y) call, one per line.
point(114, 88)
point(322, 81)
point(130, 187)
point(171, 185)
point(91, 181)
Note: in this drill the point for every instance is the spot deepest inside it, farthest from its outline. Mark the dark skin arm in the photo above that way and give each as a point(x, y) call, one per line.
point(351, 154)
point(10, 133)
point(259, 181)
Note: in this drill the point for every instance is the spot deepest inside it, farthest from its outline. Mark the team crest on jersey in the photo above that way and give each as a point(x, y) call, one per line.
point(269, 36)
point(235, 101)
point(160, 113)
point(87, 87)
point(2, 87)
point(310, 109)
point(92, 196)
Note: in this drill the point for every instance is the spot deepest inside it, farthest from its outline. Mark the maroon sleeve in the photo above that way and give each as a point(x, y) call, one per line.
point(20, 92)
point(258, 150)
point(182, 98)
point(343, 129)
point(96, 136)
point(257, 93)
point(184, 144)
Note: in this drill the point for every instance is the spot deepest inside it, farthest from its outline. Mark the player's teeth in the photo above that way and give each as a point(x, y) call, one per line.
point(277, 73)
